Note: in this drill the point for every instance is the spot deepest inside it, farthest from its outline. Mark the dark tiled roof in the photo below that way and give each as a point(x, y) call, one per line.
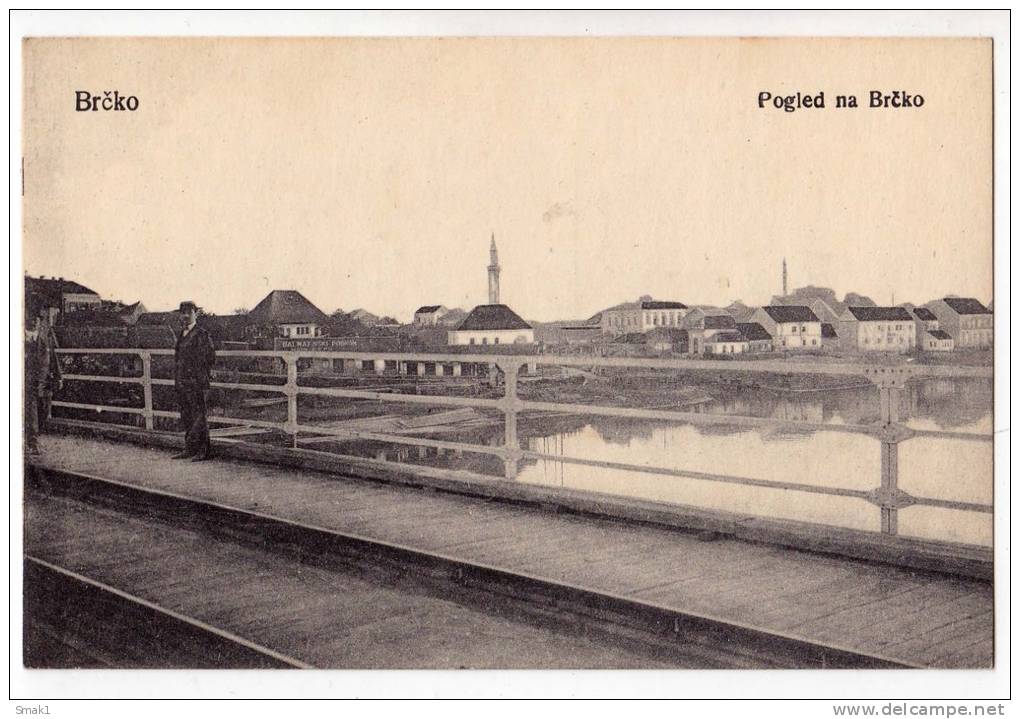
point(286, 307)
point(966, 306)
point(828, 331)
point(790, 313)
point(925, 314)
point(753, 331)
point(631, 338)
point(727, 337)
point(493, 317)
point(427, 309)
point(663, 305)
point(49, 285)
point(940, 334)
point(880, 314)
point(720, 322)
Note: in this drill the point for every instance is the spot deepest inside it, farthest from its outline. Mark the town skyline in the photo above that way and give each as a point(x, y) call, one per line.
point(407, 316)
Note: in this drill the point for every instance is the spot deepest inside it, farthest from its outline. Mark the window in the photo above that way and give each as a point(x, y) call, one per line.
point(795, 329)
point(803, 328)
point(471, 341)
point(495, 341)
point(485, 340)
point(814, 342)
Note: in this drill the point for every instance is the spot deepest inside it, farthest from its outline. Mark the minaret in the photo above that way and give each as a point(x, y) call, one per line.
point(784, 277)
point(493, 272)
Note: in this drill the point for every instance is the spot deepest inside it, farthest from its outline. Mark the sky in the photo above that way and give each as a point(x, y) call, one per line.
point(371, 173)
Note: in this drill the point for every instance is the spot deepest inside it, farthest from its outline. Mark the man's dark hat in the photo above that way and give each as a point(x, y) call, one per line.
point(188, 306)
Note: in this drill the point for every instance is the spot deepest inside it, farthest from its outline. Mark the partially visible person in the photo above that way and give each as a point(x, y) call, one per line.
point(193, 360)
point(42, 369)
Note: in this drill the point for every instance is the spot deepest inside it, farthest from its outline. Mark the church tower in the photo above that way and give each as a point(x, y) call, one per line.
point(493, 272)
point(784, 277)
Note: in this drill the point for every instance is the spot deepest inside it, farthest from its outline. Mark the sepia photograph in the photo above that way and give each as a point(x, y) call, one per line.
point(454, 352)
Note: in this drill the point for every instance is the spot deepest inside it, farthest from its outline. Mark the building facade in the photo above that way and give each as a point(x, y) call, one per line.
point(285, 314)
point(792, 327)
point(67, 295)
point(966, 320)
point(758, 338)
point(642, 316)
point(727, 343)
point(878, 329)
point(429, 315)
point(492, 325)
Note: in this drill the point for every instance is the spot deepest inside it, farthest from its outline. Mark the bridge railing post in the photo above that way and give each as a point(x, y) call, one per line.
point(147, 388)
point(510, 404)
point(890, 410)
point(291, 391)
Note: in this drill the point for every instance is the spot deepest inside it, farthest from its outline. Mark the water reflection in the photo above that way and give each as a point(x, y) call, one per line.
point(940, 468)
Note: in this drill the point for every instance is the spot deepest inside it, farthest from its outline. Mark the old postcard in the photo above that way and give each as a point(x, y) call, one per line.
point(508, 353)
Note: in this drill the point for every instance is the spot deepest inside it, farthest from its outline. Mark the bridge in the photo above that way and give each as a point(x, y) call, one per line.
point(280, 553)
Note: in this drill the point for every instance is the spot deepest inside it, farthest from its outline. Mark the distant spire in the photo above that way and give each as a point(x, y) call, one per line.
point(784, 278)
point(493, 272)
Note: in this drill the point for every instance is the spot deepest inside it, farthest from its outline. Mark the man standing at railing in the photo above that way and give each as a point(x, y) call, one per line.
point(42, 368)
point(193, 359)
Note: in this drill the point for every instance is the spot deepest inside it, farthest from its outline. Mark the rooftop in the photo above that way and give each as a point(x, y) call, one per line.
point(719, 322)
point(790, 313)
point(940, 334)
point(662, 305)
point(286, 307)
point(727, 337)
point(966, 306)
point(493, 317)
point(925, 314)
point(427, 309)
point(51, 285)
point(880, 314)
point(753, 331)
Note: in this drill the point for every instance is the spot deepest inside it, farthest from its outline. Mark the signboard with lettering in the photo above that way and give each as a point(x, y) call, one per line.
point(338, 344)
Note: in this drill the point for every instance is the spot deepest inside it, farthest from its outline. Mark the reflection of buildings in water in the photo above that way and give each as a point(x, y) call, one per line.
point(951, 403)
point(799, 410)
point(621, 431)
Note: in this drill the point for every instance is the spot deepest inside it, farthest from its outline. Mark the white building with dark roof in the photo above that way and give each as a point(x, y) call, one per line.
point(429, 315)
point(878, 329)
point(492, 325)
point(966, 320)
point(791, 326)
point(642, 316)
point(290, 314)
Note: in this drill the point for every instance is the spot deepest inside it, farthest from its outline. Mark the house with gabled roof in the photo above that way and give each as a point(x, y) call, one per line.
point(758, 338)
point(67, 295)
point(287, 314)
point(492, 325)
point(878, 329)
point(727, 342)
point(791, 326)
point(429, 315)
point(966, 320)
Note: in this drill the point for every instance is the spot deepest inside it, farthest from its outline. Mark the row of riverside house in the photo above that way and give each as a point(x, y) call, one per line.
point(940, 326)
point(659, 325)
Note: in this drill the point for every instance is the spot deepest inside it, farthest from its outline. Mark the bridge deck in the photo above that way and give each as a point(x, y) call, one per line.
point(903, 615)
